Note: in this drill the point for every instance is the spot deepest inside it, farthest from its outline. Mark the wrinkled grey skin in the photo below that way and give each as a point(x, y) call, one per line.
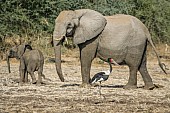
point(30, 61)
point(120, 37)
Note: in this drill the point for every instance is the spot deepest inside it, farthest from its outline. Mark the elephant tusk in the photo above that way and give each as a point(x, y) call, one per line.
point(61, 39)
point(66, 40)
point(58, 39)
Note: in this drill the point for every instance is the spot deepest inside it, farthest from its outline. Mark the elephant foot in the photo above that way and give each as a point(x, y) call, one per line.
point(85, 85)
point(34, 82)
point(26, 81)
point(130, 86)
point(40, 83)
point(21, 83)
point(17, 80)
point(149, 86)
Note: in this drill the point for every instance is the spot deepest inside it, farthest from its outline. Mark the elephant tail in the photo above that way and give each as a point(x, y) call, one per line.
point(162, 65)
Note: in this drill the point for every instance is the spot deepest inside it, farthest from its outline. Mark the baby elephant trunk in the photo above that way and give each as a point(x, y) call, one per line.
point(8, 63)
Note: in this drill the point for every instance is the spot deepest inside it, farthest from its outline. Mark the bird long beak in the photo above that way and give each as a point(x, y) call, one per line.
point(114, 62)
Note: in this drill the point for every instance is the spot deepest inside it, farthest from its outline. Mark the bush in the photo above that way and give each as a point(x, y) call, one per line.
point(34, 19)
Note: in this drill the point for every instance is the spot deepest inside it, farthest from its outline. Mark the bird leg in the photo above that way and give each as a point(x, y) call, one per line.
point(100, 89)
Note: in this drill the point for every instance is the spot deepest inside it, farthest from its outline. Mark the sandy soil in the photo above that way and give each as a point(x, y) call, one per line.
point(68, 97)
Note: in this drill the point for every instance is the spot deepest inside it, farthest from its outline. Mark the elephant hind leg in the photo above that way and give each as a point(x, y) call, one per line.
point(145, 75)
point(40, 75)
point(32, 76)
point(132, 82)
point(87, 54)
point(26, 77)
point(22, 73)
point(133, 62)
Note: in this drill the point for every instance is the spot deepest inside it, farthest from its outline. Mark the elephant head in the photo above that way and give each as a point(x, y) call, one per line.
point(81, 25)
point(16, 52)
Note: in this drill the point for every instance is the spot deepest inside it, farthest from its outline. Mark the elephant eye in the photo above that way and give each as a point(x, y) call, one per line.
point(69, 25)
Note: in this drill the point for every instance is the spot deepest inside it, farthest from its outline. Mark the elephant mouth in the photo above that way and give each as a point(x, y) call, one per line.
point(70, 34)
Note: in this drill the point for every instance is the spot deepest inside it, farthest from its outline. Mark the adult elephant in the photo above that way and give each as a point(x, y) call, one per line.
point(120, 37)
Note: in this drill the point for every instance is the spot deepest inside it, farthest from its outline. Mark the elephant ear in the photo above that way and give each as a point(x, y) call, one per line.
point(22, 48)
point(90, 24)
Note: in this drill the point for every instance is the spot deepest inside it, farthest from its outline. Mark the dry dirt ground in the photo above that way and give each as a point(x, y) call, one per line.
point(69, 97)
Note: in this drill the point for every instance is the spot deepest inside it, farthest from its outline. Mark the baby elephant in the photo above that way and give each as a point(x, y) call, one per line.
point(31, 60)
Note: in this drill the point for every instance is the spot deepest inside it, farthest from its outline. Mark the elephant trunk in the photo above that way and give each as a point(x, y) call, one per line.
point(7, 59)
point(58, 38)
point(57, 50)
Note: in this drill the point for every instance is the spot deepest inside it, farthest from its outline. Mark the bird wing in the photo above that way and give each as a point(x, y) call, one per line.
point(97, 76)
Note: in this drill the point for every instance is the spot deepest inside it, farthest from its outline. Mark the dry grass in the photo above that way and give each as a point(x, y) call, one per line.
point(68, 97)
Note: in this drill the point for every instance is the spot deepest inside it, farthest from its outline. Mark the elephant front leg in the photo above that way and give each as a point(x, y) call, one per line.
point(87, 54)
point(85, 71)
point(26, 77)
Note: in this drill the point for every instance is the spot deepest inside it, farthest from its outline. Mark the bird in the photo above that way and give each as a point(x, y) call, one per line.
point(103, 75)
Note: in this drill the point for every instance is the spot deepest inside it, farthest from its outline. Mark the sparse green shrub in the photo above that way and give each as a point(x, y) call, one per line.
point(33, 20)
